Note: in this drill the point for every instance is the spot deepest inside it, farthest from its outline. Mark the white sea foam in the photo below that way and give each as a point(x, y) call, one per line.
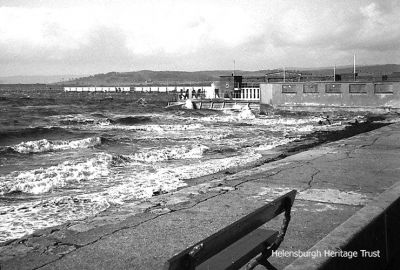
point(274, 143)
point(139, 186)
point(78, 119)
point(43, 180)
point(44, 145)
point(248, 116)
point(158, 155)
point(207, 135)
point(24, 218)
point(284, 121)
point(153, 128)
point(244, 114)
point(306, 129)
point(28, 217)
point(20, 219)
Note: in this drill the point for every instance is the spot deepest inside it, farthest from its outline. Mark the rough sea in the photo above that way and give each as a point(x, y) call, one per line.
point(69, 161)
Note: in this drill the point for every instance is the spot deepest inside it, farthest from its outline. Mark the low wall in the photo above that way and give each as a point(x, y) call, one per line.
point(331, 95)
point(56, 92)
point(370, 239)
point(126, 96)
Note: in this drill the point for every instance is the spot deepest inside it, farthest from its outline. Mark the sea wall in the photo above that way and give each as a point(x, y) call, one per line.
point(383, 96)
point(371, 236)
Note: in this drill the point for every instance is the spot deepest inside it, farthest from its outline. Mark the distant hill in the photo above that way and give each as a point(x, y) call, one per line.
point(184, 77)
point(373, 69)
point(159, 77)
point(150, 77)
point(36, 79)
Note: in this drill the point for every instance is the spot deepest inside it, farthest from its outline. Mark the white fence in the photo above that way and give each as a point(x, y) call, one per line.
point(96, 89)
point(249, 94)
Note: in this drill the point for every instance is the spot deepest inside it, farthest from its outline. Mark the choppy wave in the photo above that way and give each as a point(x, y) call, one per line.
point(100, 115)
point(282, 122)
point(80, 120)
point(43, 180)
point(140, 186)
point(274, 143)
point(190, 144)
point(210, 136)
point(7, 150)
point(244, 114)
point(102, 120)
point(24, 218)
point(151, 128)
point(248, 117)
point(44, 145)
point(130, 120)
point(32, 131)
point(170, 153)
point(76, 121)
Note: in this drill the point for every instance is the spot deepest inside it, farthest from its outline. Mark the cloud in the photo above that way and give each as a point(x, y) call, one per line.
point(99, 36)
point(368, 27)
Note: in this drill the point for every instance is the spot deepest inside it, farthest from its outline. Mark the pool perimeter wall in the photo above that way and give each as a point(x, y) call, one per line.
point(382, 96)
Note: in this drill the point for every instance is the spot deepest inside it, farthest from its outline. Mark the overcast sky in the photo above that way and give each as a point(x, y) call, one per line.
point(88, 37)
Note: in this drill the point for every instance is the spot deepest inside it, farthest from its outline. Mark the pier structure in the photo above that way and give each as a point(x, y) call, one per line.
point(239, 88)
point(330, 95)
point(354, 89)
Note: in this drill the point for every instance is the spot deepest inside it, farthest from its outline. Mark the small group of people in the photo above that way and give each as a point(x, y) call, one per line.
point(185, 95)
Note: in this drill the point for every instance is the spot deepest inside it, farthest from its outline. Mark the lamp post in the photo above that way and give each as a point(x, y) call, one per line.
point(354, 68)
point(334, 73)
point(284, 74)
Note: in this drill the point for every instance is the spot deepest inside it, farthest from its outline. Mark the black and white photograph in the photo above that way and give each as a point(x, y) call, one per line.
point(199, 134)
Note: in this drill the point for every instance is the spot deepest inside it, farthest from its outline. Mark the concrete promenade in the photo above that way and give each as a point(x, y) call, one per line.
point(334, 181)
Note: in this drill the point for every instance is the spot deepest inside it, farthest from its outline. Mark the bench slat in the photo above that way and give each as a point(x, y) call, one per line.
point(240, 252)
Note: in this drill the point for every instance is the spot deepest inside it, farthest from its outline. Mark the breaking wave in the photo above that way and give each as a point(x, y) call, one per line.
point(248, 117)
point(169, 179)
point(77, 119)
point(44, 145)
point(44, 180)
point(27, 217)
point(151, 128)
point(170, 153)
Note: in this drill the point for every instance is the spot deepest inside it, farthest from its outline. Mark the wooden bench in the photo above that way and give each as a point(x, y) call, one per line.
point(240, 243)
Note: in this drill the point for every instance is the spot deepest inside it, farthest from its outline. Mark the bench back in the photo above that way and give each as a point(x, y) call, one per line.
point(205, 249)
